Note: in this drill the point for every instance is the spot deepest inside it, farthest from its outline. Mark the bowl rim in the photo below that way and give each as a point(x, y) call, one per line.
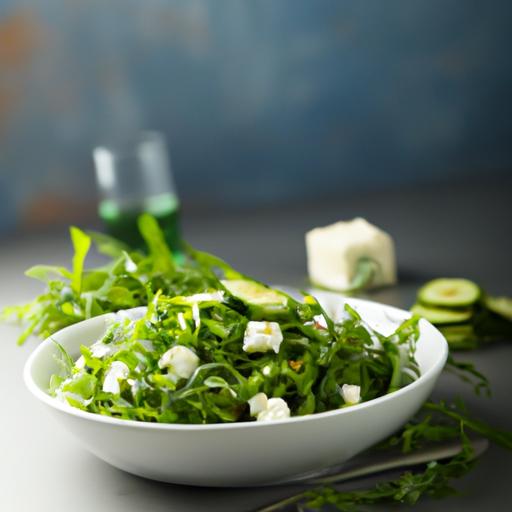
point(44, 397)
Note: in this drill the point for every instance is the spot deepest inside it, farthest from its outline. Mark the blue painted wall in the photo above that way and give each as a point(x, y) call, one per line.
point(260, 100)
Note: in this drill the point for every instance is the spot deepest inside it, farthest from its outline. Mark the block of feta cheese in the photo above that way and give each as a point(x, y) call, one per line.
point(334, 252)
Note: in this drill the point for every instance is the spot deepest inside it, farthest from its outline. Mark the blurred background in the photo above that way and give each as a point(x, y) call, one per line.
point(262, 103)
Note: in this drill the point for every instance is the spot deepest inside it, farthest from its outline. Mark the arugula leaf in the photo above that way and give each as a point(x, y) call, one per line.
point(500, 437)
point(81, 245)
point(108, 245)
point(63, 359)
point(44, 272)
point(155, 240)
point(469, 374)
point(210, 263)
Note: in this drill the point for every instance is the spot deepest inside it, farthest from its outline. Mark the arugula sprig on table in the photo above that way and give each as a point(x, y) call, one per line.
point(435, 481)
point(434, 423)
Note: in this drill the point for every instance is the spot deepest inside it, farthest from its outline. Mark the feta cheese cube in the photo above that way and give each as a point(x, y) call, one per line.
point(334, 252)
point(262, 337)
point(181, 361)
point(351, 394)
point(258, 403)
point(117, 371)
point(277, 409)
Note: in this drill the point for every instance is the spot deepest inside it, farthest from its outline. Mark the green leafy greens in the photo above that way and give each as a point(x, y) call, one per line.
point(129, 279)
point(308, 370)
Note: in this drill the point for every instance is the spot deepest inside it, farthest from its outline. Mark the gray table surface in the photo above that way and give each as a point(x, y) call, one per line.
point(462, 230)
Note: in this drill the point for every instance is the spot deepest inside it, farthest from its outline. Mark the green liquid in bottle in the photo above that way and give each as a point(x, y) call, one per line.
point(121, 221)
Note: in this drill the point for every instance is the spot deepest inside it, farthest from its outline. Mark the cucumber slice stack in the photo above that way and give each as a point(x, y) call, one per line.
point(451, 293)
point(464, 313)
point(442, 316)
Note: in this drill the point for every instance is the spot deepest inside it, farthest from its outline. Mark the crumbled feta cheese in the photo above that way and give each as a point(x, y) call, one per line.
point(131, 314)
point(206, 297)
point(262, 337)
point(136, 385)
point(334, 252)
point(100, 350)
point(80, 363)
point(195, 314)
point(61, 396)
point(258, 403)
point(125, 314)
point(117, 371)
point(351, 393)
point(277, 409)
point(129, 264)
point(181, 361)
point(181, 321)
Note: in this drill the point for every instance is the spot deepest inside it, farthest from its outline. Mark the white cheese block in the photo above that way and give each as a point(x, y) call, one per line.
point(334, 252)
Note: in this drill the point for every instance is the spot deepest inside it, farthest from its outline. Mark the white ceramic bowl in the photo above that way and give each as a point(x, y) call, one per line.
point(248, 453)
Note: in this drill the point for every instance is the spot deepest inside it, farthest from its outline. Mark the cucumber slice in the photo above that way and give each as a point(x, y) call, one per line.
point(500, 305)
point(449, 292)
point(254, 293)
point(460, 336)
point(440, 316)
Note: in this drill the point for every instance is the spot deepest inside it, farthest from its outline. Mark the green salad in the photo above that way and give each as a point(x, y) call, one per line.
point(207, 344)
point(227, 355)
